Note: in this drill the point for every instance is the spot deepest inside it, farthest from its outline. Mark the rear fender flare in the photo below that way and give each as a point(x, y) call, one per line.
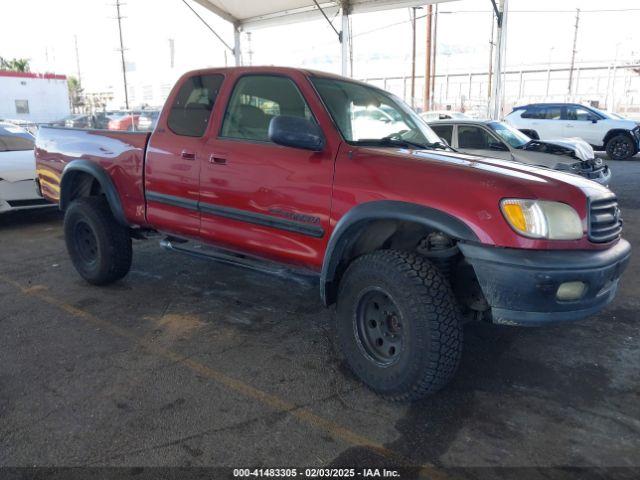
point(101, 176)
point(354, 220)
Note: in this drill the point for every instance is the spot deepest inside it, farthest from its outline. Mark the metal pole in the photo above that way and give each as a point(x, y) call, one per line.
point(413, 58)
point(345, 40)
point(427, 65)
point(573, 53)
point(237, 52)
point(434, 56)
point(124, 68)
point(497, 94)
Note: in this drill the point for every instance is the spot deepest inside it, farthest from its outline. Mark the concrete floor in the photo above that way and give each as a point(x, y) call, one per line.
point(191, 363)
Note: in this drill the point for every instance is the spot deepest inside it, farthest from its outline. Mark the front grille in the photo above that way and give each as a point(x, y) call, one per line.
point(605, 222)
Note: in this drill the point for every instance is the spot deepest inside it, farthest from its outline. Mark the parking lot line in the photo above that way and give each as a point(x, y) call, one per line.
point(302, 414)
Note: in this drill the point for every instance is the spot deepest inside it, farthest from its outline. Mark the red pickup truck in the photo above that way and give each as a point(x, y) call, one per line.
point(290, 170)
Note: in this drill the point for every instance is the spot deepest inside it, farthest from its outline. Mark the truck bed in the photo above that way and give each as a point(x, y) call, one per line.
point(121, 154)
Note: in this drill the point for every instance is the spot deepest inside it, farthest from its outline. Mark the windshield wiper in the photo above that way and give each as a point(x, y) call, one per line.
point(401, 142)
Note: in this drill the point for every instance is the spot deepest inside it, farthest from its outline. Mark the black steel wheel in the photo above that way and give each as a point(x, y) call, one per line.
point(398, 324)
point(99, 247)
point(378, 325)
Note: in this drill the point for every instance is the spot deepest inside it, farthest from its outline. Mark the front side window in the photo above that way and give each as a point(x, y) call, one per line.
point(256, 99)
point(14, 138)
point(191, 109)
point(580, 114)
point(367, 115)
point(474, 137)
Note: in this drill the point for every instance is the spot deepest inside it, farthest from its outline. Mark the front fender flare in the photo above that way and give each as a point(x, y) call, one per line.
point(101, 176)
point(349, 225)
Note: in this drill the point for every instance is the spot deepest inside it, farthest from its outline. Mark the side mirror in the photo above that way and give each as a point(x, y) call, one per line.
point(497, 146)
point(594, 120)
point(296, 132)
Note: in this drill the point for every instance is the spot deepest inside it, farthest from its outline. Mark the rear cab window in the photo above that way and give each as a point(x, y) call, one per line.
point(191, 109)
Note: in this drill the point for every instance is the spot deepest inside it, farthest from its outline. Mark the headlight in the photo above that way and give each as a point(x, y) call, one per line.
point(542, 219)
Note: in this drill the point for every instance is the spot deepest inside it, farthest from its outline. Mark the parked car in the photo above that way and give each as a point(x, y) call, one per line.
point(147, 120)
point(603, 131)
point(17, 170)
point(259, 167)
point(432, 115)
point(124, 121)
point(490, 138)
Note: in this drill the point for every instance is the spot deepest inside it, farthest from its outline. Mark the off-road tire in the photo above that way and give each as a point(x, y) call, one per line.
point(430, 323)
point(99, 247)
point(620, 147)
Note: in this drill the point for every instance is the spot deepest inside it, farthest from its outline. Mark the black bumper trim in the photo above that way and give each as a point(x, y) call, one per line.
point(520, 285)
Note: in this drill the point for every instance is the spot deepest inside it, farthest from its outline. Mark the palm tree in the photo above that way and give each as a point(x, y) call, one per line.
point(15, 64)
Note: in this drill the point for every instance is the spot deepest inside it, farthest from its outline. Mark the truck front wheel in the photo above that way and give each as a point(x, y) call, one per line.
point(99, 247)
point(398, 324)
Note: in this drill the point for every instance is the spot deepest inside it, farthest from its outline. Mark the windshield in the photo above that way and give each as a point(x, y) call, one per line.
point(512, 136)
point(367, 115)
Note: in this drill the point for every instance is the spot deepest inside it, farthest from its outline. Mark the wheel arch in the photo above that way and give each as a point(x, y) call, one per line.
point(82, 178)
point(370, 225)
point(616, 131)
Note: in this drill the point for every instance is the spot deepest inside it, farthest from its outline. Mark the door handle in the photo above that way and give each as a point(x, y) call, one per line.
point(568, 125)
point(217, 160)
point(187, 155)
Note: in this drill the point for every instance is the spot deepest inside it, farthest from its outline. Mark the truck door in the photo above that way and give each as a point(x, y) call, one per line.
point(259, 197)
point(172, 169)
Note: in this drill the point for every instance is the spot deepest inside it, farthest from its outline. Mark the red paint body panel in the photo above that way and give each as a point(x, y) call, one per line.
point(120, 154)
point(262, 178)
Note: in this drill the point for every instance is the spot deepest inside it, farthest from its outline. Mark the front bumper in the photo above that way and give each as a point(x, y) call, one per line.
point(602, 175)
point(521, 285)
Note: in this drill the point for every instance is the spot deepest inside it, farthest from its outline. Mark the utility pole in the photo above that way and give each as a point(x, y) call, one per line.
point(124, 67)
point(427, 65)
point(413, 57)
point(573, 53)
point(75, 40)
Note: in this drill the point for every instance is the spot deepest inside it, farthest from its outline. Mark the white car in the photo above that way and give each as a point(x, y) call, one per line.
point(18, 170)
point(602, 130)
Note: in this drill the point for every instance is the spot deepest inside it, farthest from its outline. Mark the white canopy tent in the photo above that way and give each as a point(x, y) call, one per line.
point(253, 14)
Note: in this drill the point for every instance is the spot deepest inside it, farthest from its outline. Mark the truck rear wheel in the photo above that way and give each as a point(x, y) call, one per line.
point(99, 247)
point(398, 324)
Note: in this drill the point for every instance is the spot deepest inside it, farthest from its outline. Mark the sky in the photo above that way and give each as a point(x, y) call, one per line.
point(540, 32)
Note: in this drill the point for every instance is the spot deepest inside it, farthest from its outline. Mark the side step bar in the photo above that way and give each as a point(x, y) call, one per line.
point(230, 258)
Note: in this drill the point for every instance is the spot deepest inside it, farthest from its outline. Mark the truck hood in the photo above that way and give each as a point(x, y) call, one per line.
point(510, 171)
point(17, 166)
point(571, 147)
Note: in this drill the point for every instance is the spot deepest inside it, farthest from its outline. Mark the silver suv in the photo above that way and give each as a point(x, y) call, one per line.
point(602, 130)
point(489, 138)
